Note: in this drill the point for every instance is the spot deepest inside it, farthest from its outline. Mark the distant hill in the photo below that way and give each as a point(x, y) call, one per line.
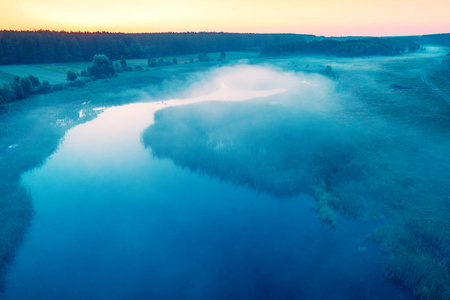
point(28, 47)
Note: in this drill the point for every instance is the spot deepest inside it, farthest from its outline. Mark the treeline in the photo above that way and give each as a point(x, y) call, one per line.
point(28, 47)
point(442, 39)
point(346, 48)
point(22, 87)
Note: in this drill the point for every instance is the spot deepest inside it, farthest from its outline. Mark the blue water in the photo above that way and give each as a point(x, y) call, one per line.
point(112, 222)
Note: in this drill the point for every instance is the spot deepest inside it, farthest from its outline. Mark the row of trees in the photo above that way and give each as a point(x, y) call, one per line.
point(346, 48)
point(25, 47)
point(22, 87)
point(43, 46)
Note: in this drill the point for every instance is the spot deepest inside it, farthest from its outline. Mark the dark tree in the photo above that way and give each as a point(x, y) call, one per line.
point(223, 55)
point(71, 76)
point(123, 63)
point(162, 62)
point(34, 80)
point(45, 46)
point(26, 84)
point(203, 56)
point(102, 67)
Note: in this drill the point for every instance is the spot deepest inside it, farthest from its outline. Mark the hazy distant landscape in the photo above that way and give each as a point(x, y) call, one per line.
point(224, 166)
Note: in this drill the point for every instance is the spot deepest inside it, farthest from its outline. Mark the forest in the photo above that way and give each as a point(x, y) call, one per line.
point(31, 47)
point(357, 46)
point(346, 48)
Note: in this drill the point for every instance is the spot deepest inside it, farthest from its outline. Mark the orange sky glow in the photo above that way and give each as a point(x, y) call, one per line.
point(320, 17)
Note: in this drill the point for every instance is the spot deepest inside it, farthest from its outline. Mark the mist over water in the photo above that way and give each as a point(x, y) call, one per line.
point(113, 222)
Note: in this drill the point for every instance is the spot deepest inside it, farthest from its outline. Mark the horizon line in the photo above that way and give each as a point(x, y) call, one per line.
point(225, 32)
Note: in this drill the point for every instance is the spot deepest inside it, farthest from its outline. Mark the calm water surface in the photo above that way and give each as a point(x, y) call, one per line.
point(112, 222)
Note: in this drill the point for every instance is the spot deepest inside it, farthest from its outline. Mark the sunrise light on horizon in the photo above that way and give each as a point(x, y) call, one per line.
point(321, 17)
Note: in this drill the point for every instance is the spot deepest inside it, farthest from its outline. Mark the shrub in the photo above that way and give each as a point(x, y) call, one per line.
point(203, 57)
point(78, 82)
point(6, 94)
point(174, 61)
point(71, 76)
point(26, 84)
point(34, 80)
point(102, 67)
point(102, 76)
point(60, 86)
point(162, 62)
point(123, 63)
point(118, 68)
point(152, 63)
point(17, 89)
point(44, 88)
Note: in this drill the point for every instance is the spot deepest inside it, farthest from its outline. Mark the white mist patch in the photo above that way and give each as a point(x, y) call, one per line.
point(230, 83)
point(118, 129)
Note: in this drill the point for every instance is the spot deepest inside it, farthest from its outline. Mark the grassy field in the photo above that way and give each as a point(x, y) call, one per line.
point(56, 73)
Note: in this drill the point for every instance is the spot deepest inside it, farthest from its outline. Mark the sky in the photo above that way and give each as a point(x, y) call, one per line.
point(319, 17)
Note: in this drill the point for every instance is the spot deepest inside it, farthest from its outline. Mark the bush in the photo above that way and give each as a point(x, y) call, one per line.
point(102, 76)
point(203, 57)
point(152, 63)
point(118, 68)
point(17, 90)
point(71, 76)
point(42, 89)
point(102, 67)
point(123, 63)
point(26, 84)
point(84, 73)
point(60, 86)
point(7, 94)
point(78, 82)
point(34, 80)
